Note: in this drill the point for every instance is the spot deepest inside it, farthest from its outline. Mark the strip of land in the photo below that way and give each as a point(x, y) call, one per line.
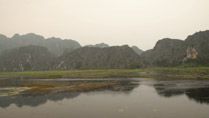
point(179, 72)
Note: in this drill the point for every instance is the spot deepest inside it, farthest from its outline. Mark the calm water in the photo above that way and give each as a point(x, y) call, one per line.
point(133, 98)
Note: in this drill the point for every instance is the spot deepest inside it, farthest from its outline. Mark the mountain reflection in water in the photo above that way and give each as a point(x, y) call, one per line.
point(110, 98)
point(36, 99)
point(197, 90)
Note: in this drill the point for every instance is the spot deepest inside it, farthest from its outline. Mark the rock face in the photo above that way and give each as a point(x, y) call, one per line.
point(55, 45)
point(117, 57)
point(197, 48)
point(172, 52)
point(26, 59)
point(167, 52)
point(191, 53)
point(137, 50)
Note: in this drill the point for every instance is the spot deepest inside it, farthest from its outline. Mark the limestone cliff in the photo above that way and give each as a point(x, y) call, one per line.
point(26, 59)
point(117, 57)
point(172, 52)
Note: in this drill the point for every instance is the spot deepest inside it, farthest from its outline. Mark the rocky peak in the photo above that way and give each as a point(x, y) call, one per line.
point(174, 52)
point(116, 57)
point(16, 36)
point(167, 43)
point(2, 36)
point(55, 45)
point(137, 50)
point(100, 45)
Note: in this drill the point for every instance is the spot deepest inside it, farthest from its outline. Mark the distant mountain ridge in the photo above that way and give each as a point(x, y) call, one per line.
point(100, 45)
point(33, 52)
point(56, 46)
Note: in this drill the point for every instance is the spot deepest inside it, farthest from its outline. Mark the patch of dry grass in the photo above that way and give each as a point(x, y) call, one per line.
point(43, 87)
point(3, 82)
point(93, 85)
point(43, 84)
point(47, 87)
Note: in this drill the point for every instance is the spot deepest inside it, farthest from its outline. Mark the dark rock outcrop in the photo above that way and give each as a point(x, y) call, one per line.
point(117, 57)
point(167, 52)
point(26, 59)
point(194, 51)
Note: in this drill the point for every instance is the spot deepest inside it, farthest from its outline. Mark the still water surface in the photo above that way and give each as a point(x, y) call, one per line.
point(133, 98)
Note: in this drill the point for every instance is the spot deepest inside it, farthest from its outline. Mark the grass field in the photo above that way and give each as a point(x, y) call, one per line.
point(190, 73)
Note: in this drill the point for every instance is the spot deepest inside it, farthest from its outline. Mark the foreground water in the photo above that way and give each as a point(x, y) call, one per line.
point(114, 98)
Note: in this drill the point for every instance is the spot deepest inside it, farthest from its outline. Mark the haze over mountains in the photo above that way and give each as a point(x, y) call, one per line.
point(26, 58)
point(54, 45)
point(34, 52)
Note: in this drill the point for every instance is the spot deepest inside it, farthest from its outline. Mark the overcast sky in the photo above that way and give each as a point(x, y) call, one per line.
point(116, 22)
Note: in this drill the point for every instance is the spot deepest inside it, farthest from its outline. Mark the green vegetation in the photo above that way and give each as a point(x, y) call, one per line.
point(135, 65)
point(197, 62)
point(178, 72)
point(67, 72)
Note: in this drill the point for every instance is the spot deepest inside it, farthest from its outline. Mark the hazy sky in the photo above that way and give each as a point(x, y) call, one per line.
point(116, 22)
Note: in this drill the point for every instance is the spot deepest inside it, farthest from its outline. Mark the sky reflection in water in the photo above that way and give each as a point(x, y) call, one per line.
point(132, 98)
